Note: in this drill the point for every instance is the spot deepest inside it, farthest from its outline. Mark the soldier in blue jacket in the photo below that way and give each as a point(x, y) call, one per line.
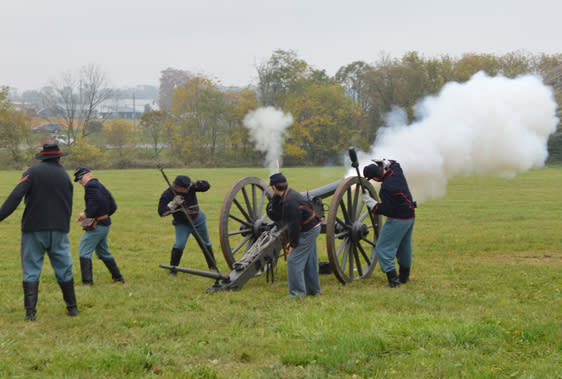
point(295, 212)
point(395, 238)
point(99, 205)
point(45, 223)
point(184, 195)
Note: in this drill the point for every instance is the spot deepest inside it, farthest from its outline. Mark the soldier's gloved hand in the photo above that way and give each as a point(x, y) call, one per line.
point(384, 163)
point(368, 200)
point(176, 202)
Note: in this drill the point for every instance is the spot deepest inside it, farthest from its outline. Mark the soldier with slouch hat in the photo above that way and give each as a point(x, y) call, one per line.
point(100, 205)
point(45, 224)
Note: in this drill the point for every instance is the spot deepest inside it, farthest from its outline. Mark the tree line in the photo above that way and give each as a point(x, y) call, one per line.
point(200, 124)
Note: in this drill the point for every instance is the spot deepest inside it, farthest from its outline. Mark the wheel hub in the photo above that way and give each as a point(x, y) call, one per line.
point(358, 231)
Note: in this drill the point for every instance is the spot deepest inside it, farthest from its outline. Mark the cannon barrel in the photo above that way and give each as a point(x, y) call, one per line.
point(322, 192)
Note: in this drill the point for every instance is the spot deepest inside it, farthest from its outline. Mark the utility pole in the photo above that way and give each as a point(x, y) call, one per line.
point(134, 111)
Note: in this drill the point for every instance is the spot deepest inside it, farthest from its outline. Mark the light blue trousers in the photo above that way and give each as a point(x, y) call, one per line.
point(57, 246)
point(302, 266)
point(395, 241)
point(183, 231)
point(95, 240)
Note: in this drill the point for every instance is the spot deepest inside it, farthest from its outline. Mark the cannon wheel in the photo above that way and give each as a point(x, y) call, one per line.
point(242, 214)
point(351, 233)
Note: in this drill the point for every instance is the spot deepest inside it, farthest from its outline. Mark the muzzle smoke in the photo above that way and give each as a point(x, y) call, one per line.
point(488, 126)
point(267, 127)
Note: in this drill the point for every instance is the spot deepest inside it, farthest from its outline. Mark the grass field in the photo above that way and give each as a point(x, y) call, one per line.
point(484, 301)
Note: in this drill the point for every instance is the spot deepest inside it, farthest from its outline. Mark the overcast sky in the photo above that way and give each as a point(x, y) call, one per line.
point(133, 40)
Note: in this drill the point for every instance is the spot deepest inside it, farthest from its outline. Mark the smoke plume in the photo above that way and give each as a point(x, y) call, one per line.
point(488, 126)
point(267, 130)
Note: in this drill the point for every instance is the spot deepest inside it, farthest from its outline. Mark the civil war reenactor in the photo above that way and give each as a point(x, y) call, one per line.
point(395, 238)
point(295, 213)
point(182, 194)
point(100, 205)
point(45, 224)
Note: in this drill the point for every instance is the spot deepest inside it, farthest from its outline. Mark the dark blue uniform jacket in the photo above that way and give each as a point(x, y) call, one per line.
point(99, 201)
point(295, 211)
point(48, 198)
point(395, 198)
point(189, 202)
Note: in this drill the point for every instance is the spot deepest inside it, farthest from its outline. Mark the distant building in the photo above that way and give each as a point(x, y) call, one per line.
point(127, 109)
point(51, 127)
point(122, 113)
point(27, 108)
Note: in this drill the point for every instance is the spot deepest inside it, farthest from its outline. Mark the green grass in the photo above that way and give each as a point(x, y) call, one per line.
point(484, 301)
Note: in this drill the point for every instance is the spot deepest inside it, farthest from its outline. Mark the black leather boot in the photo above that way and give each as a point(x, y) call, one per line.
point(114, 270)
point(30, 291)
point(86, 270)
point(393, 280)
point(404, 275)
point(210, 258)
point(69, 297)
point(175, 260)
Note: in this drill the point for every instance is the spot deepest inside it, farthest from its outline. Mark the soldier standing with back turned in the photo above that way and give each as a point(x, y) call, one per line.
point(45, 224)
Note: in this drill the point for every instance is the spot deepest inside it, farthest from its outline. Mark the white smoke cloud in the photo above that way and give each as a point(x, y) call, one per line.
point(488, 126)
point(267, 130)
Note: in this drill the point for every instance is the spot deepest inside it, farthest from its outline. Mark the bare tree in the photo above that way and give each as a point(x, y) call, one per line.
point(93, 92)
point(76, 97)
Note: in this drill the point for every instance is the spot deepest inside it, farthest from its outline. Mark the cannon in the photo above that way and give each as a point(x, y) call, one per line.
point(351, 230)
point(251, 243)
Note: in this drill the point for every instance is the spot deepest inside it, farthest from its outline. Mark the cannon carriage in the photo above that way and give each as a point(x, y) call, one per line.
point(351, 231)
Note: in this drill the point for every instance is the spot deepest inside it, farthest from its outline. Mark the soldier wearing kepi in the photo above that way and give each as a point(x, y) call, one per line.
point(185, 197)
point(45, 224)
point(395, 238)
point(295, 212)
point(99, 205)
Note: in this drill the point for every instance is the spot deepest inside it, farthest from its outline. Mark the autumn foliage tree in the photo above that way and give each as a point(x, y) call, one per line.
point(325, 122)
point(199, 115)
point(154, 123)
point(120, 134)
point(236, 137)
point(12, 126)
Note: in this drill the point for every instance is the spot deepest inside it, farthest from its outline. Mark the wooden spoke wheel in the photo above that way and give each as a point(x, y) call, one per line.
point(243, 217)
point(352, 231)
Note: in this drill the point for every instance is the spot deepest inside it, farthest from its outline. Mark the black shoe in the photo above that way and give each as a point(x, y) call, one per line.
point(210, 258)
point(30, 292)
point(393, 280)
point(86, 271)
point(69, 297)
point(404, 275)
point(175, 260)
point(114, 270)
